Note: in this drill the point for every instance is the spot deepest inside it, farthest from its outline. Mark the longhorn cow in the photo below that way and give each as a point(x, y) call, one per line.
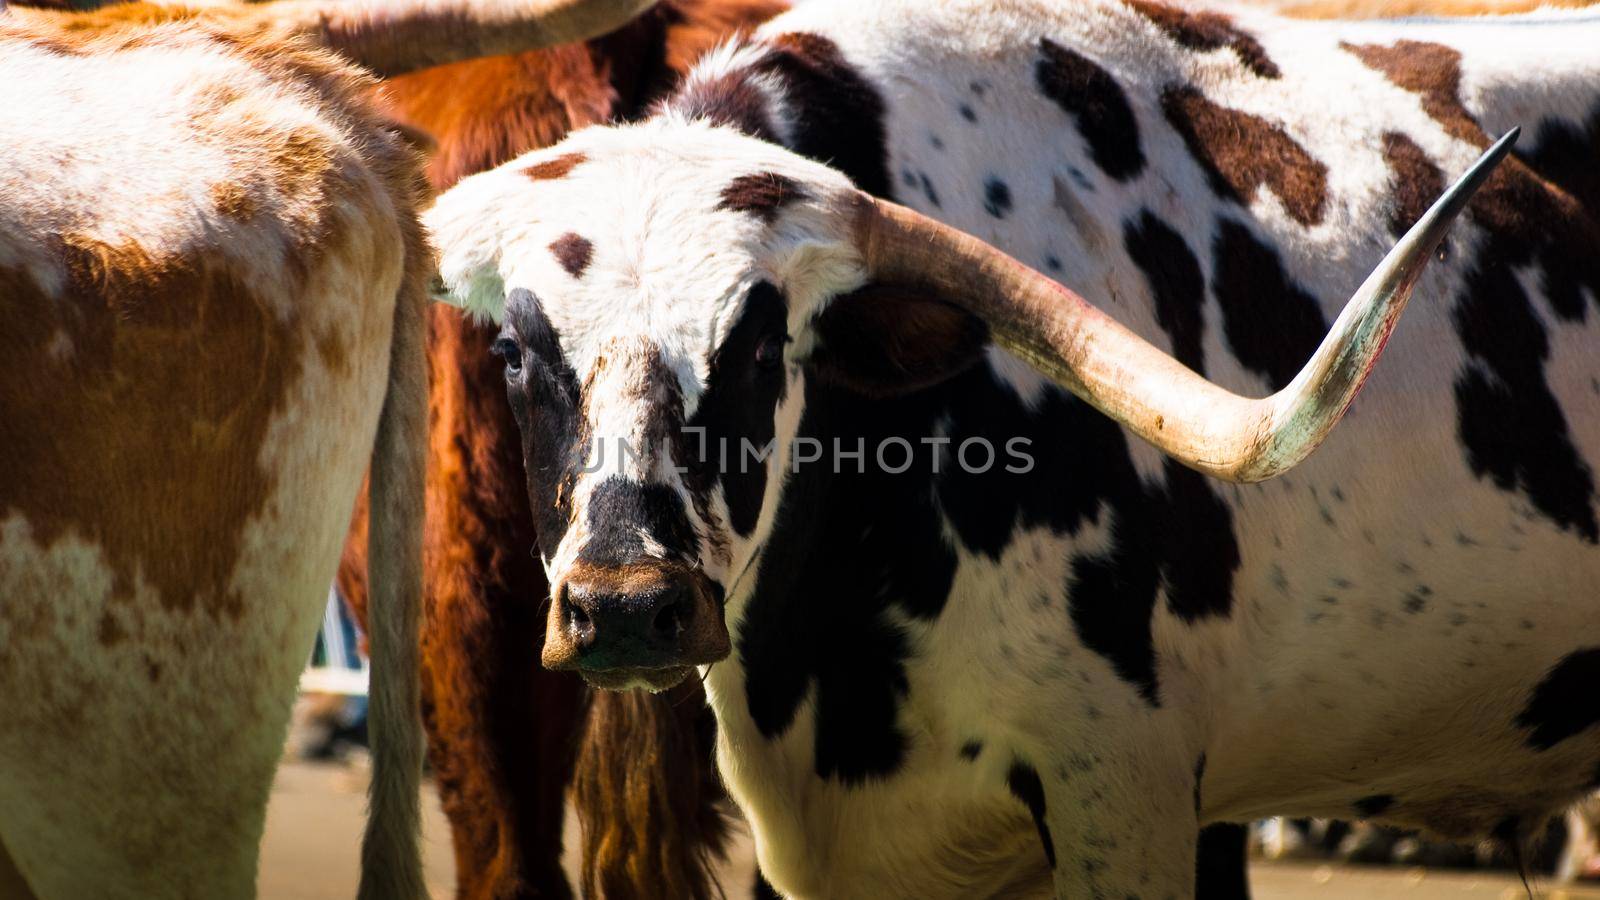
point(767, 432)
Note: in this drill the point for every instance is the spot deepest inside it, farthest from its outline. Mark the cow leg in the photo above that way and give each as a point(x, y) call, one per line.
point(1221, 872)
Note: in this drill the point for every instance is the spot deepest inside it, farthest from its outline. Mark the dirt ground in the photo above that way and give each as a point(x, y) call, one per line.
point(314, 824)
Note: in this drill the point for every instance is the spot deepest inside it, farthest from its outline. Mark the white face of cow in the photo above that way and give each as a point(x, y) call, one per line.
point(661, 290)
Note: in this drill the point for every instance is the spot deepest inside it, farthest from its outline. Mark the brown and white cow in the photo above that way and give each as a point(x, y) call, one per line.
point(949, 678)
point(502, 731)
point(211, 282)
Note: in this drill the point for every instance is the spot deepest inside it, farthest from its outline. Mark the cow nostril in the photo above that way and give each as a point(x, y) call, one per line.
point(579, 625)
point(669, 618)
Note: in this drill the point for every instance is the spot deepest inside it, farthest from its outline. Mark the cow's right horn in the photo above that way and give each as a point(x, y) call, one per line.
point(392, 37)
point(1087, 352)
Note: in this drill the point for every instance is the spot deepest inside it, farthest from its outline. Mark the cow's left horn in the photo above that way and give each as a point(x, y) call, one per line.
point(392, 37)
point(1088, 353)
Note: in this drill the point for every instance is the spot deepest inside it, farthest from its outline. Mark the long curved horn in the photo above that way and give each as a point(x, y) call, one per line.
point(1090, 354)
point(392, 37)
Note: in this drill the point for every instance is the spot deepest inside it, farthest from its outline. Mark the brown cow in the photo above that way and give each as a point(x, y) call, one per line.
point(502, 731)
point(212, 282)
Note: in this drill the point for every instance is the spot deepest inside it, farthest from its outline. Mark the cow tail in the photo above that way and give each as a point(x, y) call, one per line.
point(391, 863)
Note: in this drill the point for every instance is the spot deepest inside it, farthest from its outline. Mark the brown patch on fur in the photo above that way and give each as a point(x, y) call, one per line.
point(111, 632)
point(557, 167)
point(1240, 152)
point(179, 365)
point(301, 163)
point(1431, 70)
point(763, 194)
point(626, 579)
point(501, 728)
point(1205, 31)
point(646, 757)
point(1549, 187)
point(1544, 193)
point(1542, 205)
point(120, 15)
point(1538, 209)
point(573, 251)
point(1417, 181)
point(123, 17)
point(233, 200)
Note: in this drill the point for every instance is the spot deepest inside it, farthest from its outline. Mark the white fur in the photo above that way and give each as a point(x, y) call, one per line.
point(642, 185)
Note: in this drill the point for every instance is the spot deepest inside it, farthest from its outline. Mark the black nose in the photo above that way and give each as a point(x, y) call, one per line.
point(639, 627)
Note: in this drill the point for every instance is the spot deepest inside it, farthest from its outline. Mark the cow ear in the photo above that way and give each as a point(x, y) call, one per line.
point(884, 340)
point(478, 291)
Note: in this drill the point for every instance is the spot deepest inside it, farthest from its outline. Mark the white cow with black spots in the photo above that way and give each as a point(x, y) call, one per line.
point(941, 672)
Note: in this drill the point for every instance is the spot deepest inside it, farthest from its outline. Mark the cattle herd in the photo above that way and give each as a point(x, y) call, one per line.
point(930, 425)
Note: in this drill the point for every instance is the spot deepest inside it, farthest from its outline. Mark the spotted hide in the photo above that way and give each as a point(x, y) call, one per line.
point(959, 672)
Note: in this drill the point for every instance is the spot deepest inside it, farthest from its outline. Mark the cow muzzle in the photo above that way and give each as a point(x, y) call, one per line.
point(639, 625)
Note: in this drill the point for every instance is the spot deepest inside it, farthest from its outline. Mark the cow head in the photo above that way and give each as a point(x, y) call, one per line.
point(657, 381)
point(665, 289)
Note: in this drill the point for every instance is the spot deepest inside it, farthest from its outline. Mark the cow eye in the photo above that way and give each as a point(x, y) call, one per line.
point(507, 350)
point(770, 351)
